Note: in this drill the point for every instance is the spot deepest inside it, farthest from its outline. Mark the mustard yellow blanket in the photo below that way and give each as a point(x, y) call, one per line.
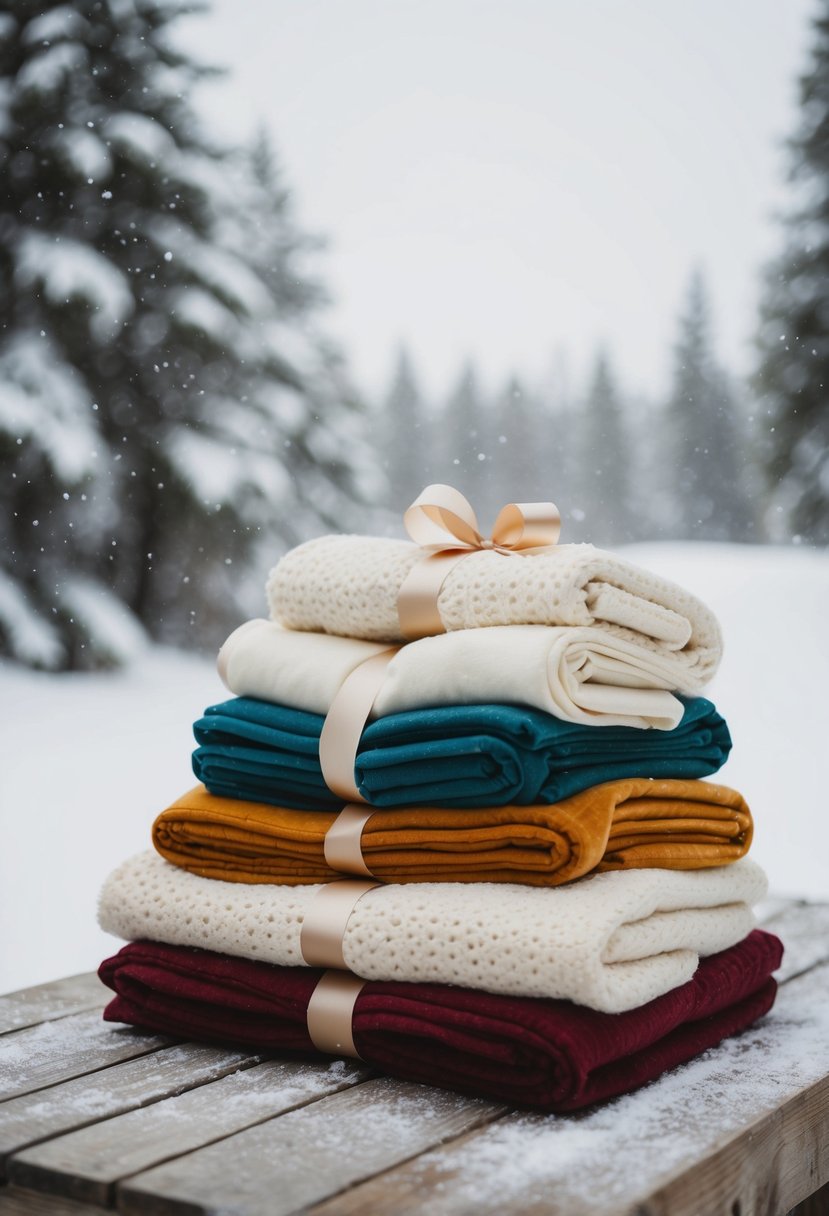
point(634, 823)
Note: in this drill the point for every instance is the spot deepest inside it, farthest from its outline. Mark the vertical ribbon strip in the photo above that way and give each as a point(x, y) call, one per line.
point(345, 721)
point(330, 1013)
point(341, 847)
point(331, 1006)
point(441, 520)
point(325, 922)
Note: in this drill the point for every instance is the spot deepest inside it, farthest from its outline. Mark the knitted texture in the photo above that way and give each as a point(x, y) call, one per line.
point(611, 941)
point(348, 585)
point(579, 674)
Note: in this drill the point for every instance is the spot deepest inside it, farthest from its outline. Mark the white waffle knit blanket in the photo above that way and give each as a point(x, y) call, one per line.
point(348, 585)
point(611, 941)
point(580, 675)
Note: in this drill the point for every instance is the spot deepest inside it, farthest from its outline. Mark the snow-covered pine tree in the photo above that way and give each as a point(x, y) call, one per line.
point(302, 397)
point(138, 347)
point(460, 444)
point(793, 376)
point(404, 431)
point(605, 459)
point(706, 455)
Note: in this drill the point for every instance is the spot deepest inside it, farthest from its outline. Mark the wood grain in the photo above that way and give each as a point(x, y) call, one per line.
point(112, 1091)
point(815, 1205)
point(287, 1163)
point(56, 1051)
point(765, 1171)
point(742, 1125)
point(87, 1163)
point(14, 1202)
point(45, 1002)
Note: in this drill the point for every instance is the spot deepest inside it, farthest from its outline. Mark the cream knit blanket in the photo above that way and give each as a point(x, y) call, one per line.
point(348, 585)
point(611, 941)
point(579, 674)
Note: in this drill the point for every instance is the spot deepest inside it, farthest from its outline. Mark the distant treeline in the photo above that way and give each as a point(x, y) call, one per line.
point(620, 469)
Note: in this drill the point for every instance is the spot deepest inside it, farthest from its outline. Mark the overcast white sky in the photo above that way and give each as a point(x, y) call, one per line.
point(502, 179)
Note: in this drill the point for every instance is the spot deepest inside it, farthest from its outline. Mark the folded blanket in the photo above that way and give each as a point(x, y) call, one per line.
point(454, 756)
point(551, 1055)
point(677, 825)
point(579, 674)
point(610, 941)
point(348, 585)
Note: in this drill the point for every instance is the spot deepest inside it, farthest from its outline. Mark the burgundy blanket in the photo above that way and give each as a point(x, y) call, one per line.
point(550, 1055)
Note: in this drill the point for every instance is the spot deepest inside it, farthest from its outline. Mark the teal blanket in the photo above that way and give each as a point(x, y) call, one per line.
point(455, 756)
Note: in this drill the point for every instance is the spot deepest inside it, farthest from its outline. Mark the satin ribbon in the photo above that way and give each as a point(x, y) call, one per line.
point(331, 1006)
point(324, 924)
point(345, 721)
point(330, 1013)
point(441, 520)
point(341, 846)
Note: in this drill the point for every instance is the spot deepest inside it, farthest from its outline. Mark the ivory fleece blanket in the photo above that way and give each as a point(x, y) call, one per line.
point(550, 1055)
point(348, 585)
point(579, 674)
point(451, 756)
point(609, 941)
point(678, 825)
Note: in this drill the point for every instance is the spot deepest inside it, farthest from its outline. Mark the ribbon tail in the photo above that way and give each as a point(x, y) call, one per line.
point(417, 600)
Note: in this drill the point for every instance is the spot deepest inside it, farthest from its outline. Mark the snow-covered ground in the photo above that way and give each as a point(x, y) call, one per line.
point(89, 760)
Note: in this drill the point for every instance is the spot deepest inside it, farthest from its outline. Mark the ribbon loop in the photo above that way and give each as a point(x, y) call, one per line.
point(527, 525)
point(442, 521)
point(442, 517)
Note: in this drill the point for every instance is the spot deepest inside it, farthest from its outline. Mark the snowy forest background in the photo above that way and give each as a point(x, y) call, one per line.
point(173, 413)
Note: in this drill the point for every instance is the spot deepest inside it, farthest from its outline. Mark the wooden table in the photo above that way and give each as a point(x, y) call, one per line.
point(96, 1117)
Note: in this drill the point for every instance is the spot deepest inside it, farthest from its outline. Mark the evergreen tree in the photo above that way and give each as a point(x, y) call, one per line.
point(312, 412)
point(405, 436)
point(151, 387)
point(651, 498)
point(460, 454)
point(514, 470)
point(559, 445)
point(793, 374)
point(605, 460)
point(707, 453)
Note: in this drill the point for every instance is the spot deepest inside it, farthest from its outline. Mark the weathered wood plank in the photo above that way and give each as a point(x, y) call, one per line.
point(55, 1051)
point(14, 1202)
point(804, 930)
point(775, 1164)
point(745, 1128)
point(287, 1163)
point(815, 1205)
point(45, 1002)
point(112, 1091)
point(87, 1163)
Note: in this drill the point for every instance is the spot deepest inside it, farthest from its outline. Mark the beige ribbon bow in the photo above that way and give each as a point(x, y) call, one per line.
point(441, 520)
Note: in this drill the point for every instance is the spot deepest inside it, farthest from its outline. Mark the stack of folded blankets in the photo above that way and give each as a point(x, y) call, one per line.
point(482, 859)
